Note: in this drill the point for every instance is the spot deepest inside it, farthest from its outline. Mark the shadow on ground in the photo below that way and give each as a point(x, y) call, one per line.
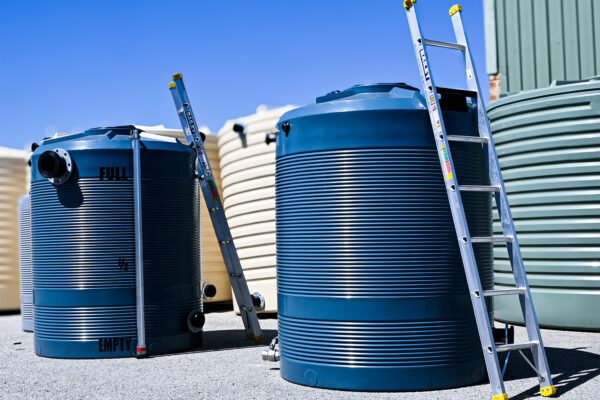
point(570, 368)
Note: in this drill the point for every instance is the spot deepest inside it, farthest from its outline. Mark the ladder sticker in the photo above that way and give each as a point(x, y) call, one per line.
point(435, 116)
point(447, 167)
point(424, 65)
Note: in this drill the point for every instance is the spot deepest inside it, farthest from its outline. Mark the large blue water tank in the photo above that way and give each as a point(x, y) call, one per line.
point(371, 288)
point(84, 248)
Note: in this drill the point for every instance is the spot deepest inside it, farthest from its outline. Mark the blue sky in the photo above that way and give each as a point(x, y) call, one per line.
point(67, 65)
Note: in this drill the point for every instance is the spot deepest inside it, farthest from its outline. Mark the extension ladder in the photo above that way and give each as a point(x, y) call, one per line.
point(247, 303)
point(466, 242)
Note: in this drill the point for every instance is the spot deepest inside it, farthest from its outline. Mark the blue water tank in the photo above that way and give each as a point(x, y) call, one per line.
point(26, 264)
point(84, 245)
point(371, 288)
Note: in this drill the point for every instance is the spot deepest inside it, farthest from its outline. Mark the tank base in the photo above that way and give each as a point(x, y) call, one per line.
point(115, 347)
point(382, 379)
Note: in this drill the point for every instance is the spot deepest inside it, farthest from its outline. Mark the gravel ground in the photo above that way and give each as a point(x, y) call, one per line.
point(230, 367)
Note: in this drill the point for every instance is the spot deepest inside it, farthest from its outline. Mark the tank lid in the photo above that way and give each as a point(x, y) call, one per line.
point(365, 89)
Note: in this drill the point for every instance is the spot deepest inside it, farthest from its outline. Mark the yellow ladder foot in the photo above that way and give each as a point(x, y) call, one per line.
point(547, 391)
point(502, 396)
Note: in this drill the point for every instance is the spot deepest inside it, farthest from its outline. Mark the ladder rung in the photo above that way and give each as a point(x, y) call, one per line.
point(491, 239)
point(503, 292)
point(478, 188)
point(516, 346)
point(468, 139)
point(445, 45)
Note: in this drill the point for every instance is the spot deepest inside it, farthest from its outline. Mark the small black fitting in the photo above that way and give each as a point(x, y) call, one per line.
point(209, 291)
point(196, 321)
point(51, 165)
point(286, 127)
point(34, 146)
point(270, 138)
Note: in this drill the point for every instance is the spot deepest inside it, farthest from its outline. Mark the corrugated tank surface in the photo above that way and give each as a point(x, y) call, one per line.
point(84, 249)
point(26, 263)
point(372, 291)
point(538, 41)
point(13, 184)
point(548, 142)
point(248, 176)
point(213, 267)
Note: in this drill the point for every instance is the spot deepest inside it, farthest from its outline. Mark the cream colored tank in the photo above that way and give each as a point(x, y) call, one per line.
point(14, 182)
point(213, 267)
point(248, 176)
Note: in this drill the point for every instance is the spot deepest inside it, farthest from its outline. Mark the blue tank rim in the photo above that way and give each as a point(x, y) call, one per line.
point(111, 137)
point(556, 87)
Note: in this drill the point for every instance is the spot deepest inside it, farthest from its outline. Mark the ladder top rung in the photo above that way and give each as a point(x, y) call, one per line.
point(469, 139)
point(503, 292)
point(491, 239)
point(478, 188)
point(446, 45)
point(516, 346)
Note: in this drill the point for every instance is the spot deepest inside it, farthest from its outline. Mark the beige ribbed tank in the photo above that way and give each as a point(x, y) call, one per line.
point(14, 183)
point(248, 177)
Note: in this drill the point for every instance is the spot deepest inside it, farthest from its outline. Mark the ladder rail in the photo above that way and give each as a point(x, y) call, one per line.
point(458, 214)
point(214, 204)
point(504, 211)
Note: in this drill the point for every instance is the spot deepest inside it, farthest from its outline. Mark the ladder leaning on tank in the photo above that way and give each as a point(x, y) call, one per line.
point(466, 242)
point(248, 304)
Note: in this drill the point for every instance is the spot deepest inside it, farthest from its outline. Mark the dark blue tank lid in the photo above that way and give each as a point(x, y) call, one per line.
point(369, 88)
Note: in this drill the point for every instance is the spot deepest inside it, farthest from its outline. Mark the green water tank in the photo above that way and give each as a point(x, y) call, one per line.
point(548, 143)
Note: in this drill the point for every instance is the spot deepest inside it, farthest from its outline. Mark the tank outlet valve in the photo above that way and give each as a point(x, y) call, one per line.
point(270, 138)
point(272, 354)
point(55, 165)
point(258, 301)
point(196, 321)
point(209, 291)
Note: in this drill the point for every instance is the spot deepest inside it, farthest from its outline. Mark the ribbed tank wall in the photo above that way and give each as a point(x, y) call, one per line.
point(372, 291)
point(13, 184)
point(26, 264)
point(84, 254)
point(248, 176)
point(549, 150)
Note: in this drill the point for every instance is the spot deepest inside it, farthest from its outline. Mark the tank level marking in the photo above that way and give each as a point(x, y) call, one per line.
point(114, 344)
point(123, 264)
point(113, 173)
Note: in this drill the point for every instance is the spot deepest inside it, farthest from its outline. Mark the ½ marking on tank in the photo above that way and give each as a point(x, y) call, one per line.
point(113, 174)
point(123, 264)
point(114, 344)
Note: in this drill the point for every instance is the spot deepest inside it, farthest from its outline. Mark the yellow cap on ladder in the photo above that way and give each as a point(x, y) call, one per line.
point(172, 85)
point(408, 3)
point(455, 8)
point(177, 76)
point(502, 396)
point(547, 391)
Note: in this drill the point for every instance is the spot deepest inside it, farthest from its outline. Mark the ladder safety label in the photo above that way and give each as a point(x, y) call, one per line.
point(424, 66)
point(447, 167)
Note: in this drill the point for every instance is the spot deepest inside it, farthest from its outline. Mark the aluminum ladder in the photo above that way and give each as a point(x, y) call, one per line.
point(247, 303)
point(496, 187)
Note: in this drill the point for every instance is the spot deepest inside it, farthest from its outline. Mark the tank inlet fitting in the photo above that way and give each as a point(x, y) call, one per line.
point(196, 321)
point(209, 291)
point(258, 301)
point(272, 354)
point(55, 165)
